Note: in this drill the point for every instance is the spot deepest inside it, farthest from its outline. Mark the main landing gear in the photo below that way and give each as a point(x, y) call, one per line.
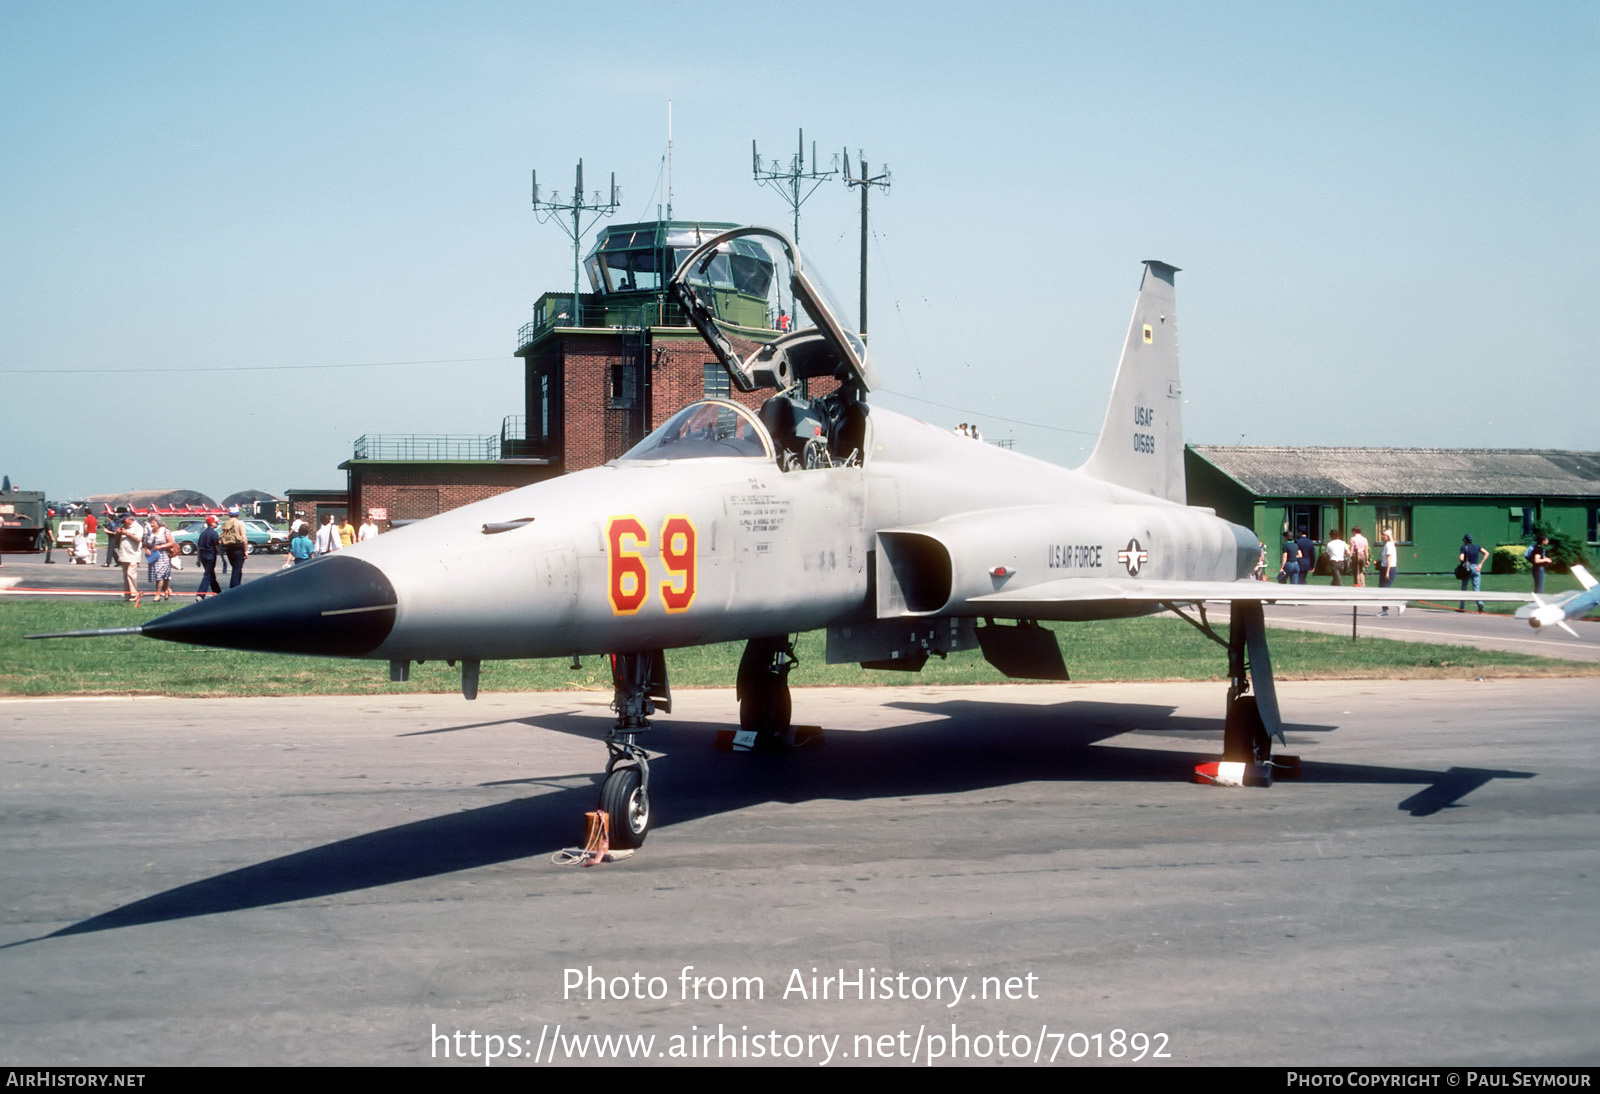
point(639, 683)
point(1245, 738)
point(1250, 721)
point(763, 691)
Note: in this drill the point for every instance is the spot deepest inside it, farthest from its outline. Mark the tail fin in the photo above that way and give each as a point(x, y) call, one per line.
point(1583, 577)
point(1141, 442)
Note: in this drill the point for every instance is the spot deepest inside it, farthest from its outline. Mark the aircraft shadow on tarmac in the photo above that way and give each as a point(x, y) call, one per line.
point(976, 746)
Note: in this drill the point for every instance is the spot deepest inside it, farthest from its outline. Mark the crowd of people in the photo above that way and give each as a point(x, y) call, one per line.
point(1351, 559)
point(306, 544)
point(133, 541)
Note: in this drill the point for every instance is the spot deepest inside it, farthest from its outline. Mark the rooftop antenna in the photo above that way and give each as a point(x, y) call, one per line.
point(669, 159)
point(866, 182)
point(547, 211)
point(787, 180)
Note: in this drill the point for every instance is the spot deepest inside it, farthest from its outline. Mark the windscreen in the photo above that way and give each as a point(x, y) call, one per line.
point(706, 429)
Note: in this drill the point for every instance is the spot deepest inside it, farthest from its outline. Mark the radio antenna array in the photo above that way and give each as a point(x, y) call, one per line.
point(866, 182)
point(553, 209)
point(789, 181)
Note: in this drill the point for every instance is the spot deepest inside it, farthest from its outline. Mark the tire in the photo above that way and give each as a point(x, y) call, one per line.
point(186, 548)
point(765, 708)
point(249, 549)
point(628, 803)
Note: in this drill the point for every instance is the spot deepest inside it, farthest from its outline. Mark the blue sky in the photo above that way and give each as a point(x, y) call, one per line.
point(1386, 215)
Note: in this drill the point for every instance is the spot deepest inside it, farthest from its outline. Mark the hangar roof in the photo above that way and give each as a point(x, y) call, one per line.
point(160, 499)
point(1286, 471)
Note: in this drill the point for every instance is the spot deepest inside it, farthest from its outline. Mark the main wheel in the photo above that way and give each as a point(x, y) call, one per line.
point(624, 797)
point(765, 708)
point(1244, 734)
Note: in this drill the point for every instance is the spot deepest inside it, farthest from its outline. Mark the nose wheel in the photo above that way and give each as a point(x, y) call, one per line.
point(625, 798)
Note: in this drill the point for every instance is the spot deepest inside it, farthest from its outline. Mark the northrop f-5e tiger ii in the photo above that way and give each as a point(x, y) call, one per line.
point(820, 510)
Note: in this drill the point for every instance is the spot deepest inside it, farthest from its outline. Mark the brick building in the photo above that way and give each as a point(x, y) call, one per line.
point(407, 490)
point(600, 372)
point(316, 504)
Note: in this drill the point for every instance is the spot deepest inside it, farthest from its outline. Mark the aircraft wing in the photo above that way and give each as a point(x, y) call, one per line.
point(1572, 606)
point(1067, 598)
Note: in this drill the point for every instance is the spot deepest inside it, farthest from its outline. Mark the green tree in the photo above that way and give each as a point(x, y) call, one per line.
point(1565, 549)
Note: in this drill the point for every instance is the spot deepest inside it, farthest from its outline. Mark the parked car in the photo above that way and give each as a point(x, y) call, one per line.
point(262, 536)
point(277, 539)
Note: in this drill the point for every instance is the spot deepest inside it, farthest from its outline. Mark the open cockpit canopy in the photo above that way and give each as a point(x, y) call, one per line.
point(815, 336)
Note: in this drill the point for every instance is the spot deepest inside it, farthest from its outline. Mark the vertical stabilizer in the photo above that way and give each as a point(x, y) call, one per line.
point(1141, 442)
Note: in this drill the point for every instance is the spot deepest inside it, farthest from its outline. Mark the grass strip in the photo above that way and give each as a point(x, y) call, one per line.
point(1136, 649)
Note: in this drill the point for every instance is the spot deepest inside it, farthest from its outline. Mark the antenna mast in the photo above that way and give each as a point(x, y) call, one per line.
point(866, 182)
point(787, 181)
point(548, 210)
point(669, 159)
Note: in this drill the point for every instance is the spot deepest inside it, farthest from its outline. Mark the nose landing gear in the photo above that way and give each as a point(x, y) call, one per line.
point(639, 683)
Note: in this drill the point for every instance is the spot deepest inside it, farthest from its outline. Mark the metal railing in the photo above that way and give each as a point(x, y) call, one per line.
point(427, 447)
point(555, 310)
point(512, 443)
point(515, 444)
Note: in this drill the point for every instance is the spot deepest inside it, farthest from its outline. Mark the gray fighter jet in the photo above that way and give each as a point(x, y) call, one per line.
point(903, 540)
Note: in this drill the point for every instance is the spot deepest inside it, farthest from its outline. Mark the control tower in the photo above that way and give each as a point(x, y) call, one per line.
point(601, 372)
point(604, 370)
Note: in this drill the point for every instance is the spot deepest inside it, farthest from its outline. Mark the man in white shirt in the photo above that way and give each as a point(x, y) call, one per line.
point(1338, 552)
point(369, 528)
point(1388, 562)
point(327, 537)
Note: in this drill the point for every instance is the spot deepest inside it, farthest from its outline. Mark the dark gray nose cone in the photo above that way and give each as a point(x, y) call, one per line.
point(333, 607)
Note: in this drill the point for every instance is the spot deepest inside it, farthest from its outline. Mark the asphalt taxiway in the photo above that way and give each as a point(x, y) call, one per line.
point(1443, 626)
point(358, 879)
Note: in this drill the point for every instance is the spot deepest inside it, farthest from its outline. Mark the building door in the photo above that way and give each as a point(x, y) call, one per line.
point(1308, 517)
